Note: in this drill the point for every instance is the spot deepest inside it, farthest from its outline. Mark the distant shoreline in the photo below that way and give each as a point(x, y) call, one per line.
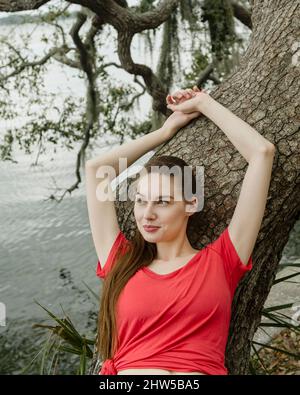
point(25, 18)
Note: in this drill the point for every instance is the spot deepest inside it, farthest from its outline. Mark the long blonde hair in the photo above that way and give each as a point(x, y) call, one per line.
point(141, 253)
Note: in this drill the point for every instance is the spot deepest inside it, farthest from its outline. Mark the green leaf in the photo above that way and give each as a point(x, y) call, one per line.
point(277, 307)
point(289, 264)
point(92, 292)
point(269, 324)
point(83, 361)
point(279, 280)
point(259, 358)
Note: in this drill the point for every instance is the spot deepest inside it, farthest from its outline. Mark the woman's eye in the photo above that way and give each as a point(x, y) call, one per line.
point(164, 201)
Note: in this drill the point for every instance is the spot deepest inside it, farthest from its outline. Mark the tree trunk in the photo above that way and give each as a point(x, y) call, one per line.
point(265, 92)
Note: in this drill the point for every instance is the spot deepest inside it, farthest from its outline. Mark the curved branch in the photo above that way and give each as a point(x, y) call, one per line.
point(242, 14)
point(86, 64)
point(21, 5)
point(135, 97)
point(153, 84)
point(205, 75)
point(62, 58)
point(124, 18)
point(39, 62)
point(127, 23)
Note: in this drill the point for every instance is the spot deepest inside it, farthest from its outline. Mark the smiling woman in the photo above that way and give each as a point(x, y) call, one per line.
point(163, 218)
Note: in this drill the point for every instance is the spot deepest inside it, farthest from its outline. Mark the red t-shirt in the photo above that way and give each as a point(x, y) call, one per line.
point(180, 320)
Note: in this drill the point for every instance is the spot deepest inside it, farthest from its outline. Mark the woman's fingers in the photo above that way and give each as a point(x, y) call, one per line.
point(191, 92)
point(178, 95)
point(170, 100)
point(183, 94)
point(188, 93)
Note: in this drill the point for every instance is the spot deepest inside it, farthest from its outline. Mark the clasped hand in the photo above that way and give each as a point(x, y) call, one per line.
point(185, 106)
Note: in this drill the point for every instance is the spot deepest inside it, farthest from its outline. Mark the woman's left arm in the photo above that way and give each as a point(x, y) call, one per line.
point(259, 153)
point(244, 137)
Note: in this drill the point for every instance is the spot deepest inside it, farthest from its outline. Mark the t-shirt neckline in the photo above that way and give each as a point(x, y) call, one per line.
point(151, 273)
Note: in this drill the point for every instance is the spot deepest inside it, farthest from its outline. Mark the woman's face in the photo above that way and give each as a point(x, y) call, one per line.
point(159, 202)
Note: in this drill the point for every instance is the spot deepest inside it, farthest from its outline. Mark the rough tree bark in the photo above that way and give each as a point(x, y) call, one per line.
point(265, 92)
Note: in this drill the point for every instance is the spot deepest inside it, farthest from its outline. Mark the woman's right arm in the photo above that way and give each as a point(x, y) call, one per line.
point(132, 150)
point(102, 213)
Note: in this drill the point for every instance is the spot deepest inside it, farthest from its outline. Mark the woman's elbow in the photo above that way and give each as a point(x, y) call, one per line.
point(268, 148)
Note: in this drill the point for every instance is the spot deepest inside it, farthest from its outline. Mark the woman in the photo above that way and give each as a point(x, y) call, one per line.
point(165, 306)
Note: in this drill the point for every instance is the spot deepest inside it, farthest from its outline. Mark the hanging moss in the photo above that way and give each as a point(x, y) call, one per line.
point(220, 18)
point(187, 11)
point(145, 5)
point(169, 52)
point(200, 62)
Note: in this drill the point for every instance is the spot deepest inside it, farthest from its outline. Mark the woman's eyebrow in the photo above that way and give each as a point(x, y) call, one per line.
point(159, 197)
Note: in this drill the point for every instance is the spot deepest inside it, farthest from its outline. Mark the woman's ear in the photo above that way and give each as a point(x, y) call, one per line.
point(191, 206)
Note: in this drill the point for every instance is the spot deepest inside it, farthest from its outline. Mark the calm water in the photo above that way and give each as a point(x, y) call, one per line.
point(46, 248)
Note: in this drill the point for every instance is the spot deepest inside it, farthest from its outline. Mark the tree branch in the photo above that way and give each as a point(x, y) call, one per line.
point(124, 18)
point(153, 84)
point(39, 62)
point(62, 58)
point(207, 75)
point(242, 14)
point(86, 58)
point(21, 5)
point(127, 23)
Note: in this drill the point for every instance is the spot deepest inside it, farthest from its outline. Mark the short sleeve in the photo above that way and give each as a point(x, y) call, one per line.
point(119, 244)
point(234, 267)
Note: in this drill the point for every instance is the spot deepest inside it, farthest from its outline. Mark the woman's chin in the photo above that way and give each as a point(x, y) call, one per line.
point(150, 236)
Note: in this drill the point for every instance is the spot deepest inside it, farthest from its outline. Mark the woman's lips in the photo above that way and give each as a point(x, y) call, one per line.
point(151, 228)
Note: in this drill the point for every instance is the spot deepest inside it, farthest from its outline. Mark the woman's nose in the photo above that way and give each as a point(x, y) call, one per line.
point(149, 212)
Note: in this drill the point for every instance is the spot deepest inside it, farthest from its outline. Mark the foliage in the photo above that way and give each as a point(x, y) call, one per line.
point(34, 116)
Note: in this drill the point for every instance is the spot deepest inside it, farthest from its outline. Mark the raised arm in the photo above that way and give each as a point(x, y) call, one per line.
point(102, 213)
point(258, 152)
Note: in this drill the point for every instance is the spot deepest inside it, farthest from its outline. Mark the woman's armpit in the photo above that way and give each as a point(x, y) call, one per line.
point(119, 243)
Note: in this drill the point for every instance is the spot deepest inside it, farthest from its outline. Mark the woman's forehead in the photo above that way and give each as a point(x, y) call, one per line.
point(157, 183)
